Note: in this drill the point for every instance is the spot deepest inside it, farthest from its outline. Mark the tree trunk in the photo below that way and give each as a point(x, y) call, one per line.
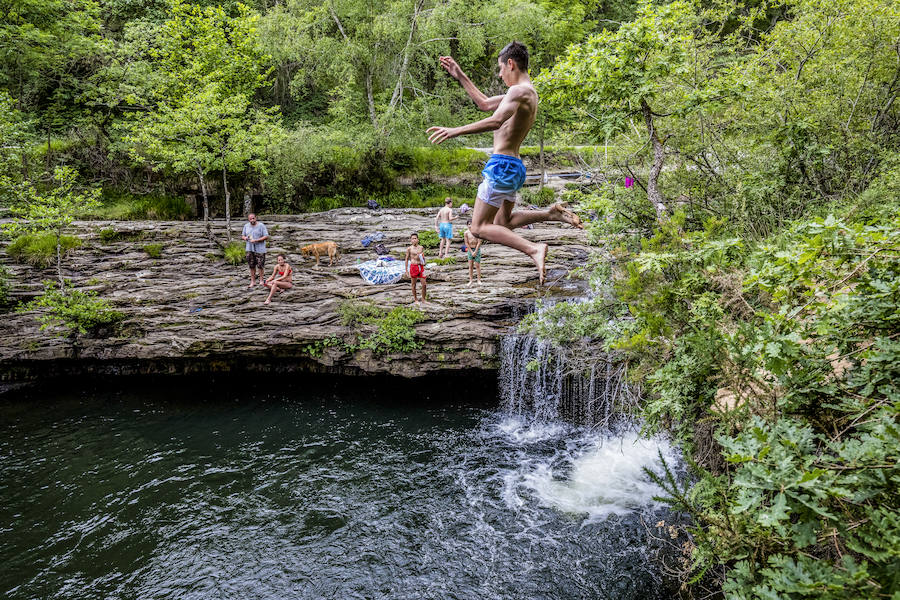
point(227, 201)
point(398, 89)
point(543, 167)
point(371, 99)
point(248, 204)
point(62, 284)
point(653, 193)
point(205, 205)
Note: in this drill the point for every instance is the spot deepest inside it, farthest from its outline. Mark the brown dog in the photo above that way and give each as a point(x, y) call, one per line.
point(329, 248)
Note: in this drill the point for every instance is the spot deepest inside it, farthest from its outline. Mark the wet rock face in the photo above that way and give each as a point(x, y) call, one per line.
point(190, 311)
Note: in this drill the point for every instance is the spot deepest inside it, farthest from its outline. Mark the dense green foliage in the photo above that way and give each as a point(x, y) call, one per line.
point(75, 311)
point(380, 330)
point(791, 351)
point(757, 120)
point(235, 253)
point(428, 239)
point(108, 235)
point(759, 306)
point(294, 100)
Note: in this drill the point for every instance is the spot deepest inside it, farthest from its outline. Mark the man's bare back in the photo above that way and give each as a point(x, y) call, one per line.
point(504, 174)
point(445, 214)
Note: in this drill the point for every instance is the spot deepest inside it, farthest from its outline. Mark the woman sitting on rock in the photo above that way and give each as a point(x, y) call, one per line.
point(280, 279)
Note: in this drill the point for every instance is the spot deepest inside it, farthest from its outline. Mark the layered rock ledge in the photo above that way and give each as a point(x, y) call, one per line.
point(189, 311)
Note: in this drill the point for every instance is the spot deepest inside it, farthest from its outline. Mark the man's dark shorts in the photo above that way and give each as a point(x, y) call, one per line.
point(256, 260)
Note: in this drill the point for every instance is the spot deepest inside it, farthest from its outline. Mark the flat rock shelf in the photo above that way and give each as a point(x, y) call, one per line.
point(189, 311)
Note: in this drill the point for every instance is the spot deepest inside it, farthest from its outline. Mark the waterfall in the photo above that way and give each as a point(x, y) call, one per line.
point(540, 381)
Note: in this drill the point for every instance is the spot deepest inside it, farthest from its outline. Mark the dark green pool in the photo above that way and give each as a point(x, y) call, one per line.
point(314, 488)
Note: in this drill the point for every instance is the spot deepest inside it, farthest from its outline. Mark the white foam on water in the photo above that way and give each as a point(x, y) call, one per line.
point(522, 431)
point(606, 479)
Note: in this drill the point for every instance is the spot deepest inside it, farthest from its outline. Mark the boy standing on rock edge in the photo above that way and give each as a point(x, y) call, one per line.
point(415, 254)
point(504, 173)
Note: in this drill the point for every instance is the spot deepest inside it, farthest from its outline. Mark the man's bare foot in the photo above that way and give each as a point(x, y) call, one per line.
point(252, 283)
point(267, 301)
point(469, 284)
point(562, 212)
point(539, 258)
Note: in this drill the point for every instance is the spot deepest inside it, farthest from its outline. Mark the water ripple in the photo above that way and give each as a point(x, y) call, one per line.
point(134, 496)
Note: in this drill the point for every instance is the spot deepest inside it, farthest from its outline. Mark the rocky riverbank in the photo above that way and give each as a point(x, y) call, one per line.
point(189, 311)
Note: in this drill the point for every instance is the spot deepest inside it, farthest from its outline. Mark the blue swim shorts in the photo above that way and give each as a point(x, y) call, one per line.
point(503, 176)
point(446, 230)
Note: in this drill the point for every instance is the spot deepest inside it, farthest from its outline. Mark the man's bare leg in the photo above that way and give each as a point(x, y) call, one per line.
point(514, 219)
point(483, 226)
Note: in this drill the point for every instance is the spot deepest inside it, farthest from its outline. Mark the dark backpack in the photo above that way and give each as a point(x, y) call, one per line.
point(381, 249)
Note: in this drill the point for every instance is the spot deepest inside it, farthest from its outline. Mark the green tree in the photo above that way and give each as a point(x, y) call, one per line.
point(76, 311)
point(205, 131)
point(54, 210)
point(200, 118)
point(351, 63)
point(16, 138)
point(663, 64)
point(46, 49)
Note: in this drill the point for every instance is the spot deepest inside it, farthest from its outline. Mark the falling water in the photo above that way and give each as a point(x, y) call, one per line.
point(582, 405)
point(538, 380)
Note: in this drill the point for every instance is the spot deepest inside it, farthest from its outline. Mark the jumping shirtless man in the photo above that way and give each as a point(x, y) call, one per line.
point(514, 112)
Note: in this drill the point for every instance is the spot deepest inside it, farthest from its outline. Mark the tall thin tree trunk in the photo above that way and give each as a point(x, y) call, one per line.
point(62, 284)
point(227, 200)
point(398, 89)
point(371, 99)
point(653, 193)
point(205, 204)
point(543, 166)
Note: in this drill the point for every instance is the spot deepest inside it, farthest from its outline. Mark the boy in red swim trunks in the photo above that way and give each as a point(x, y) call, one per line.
point(415, 265)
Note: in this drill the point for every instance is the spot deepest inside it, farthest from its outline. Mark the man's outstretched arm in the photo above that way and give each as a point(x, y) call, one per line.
point(506, 110)
point(481, 101)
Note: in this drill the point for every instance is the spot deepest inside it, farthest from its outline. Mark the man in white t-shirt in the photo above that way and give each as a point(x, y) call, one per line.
point(255, 234)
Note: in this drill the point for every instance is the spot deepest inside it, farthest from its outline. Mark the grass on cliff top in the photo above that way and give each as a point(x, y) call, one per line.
point(123, 206)
point(39, 249)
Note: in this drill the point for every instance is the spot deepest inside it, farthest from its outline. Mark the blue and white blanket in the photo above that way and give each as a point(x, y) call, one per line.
point(381, 271)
